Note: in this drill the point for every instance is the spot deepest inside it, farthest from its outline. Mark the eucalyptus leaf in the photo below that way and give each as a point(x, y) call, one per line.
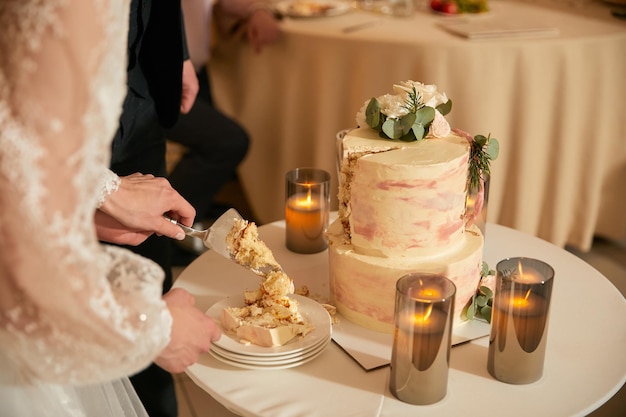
point(493, 148)
point(444, 108)
point(406, 122)
point(481, 301)
point(486, 291)
point(419, 131)
point(471, 312)
point(372, 113)
point(425, 115)
point(393, 128)
point(485, 269)
point(485, 312)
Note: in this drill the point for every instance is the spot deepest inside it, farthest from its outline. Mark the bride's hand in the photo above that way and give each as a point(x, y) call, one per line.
point(136, 209)
point(110, 230)
point(192, 332)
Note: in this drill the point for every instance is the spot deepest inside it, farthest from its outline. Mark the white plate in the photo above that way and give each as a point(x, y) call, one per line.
point(267, 359)
point(284, 364)
point(312, 8)
point(311, 311)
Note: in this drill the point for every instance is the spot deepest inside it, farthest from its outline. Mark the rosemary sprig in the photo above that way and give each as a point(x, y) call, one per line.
point(483, 151)
point(414, 101)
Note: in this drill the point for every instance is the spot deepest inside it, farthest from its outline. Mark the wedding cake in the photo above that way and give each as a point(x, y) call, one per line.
point(404, 181)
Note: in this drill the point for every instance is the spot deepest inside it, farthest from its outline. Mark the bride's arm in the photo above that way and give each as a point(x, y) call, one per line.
point(70, 310)
point(134, 206)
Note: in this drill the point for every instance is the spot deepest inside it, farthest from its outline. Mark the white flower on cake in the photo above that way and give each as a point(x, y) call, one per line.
point(414, 111)
point(430, 96)
point(439, 128)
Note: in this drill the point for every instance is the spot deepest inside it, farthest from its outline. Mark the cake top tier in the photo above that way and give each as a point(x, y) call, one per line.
point(415, 153)
point(403, 198)
point(416, 111)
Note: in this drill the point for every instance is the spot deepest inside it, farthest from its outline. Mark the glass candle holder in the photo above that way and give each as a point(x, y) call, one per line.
point(519, 323)
point(420, 357)
point(307, 208)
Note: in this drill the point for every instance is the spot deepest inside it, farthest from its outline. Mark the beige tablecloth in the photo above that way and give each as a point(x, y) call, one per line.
point(556, 104)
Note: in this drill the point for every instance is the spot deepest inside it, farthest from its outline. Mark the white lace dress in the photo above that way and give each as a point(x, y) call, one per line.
point(76, 317)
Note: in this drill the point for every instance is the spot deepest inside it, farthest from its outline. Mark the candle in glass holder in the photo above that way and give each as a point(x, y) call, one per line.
point(422, 338)
point(307, 208)
point(520, 317)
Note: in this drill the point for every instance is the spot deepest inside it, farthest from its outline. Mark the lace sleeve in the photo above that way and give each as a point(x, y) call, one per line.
point(110, 183)
point(71, 310)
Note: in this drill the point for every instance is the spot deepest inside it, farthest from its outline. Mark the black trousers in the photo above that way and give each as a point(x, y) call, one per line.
point(139, 146)
point(216, 143)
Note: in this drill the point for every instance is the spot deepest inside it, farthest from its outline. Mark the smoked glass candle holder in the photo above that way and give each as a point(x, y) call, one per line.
point(519, 323)
point(420, 358)
point(307, 208)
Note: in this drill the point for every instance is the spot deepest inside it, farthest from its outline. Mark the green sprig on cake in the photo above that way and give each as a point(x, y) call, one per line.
point(483, 151)
point(417, 111)
point(414, 112)
point(480, 305)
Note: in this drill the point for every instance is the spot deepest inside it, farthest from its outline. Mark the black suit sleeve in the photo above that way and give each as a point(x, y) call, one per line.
point(161, 58)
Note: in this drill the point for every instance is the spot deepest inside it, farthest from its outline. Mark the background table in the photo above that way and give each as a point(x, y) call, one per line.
point(585, 361)
point(555, 104)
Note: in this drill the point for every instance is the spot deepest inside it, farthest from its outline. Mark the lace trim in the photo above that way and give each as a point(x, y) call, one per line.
point(110, 184)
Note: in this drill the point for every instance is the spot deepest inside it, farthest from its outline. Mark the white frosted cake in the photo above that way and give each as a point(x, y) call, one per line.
point(401, 209)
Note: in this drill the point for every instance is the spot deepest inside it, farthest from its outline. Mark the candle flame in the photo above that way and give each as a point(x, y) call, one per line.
point(521, 302)
point(305, 202)
point(429, 292)
point(424, 318)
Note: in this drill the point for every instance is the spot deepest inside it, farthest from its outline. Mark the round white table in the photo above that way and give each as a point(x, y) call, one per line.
point(555, 104)
point(585, 362)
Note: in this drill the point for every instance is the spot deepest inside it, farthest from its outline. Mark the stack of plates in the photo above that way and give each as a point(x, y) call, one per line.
point(298, 351)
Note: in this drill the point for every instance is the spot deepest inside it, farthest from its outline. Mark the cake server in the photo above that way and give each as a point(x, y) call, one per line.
point(215, 236)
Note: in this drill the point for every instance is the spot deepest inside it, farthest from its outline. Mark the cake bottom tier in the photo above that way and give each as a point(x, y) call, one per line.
point(363, 287)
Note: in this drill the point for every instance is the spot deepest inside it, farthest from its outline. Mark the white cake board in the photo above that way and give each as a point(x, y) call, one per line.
point(372, 350)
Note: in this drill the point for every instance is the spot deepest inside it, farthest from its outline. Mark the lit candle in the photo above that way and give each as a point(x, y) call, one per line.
point(306, 213)
point(421, 346)
point(518, 327)
point(432, 294)
point(529, 314)
point(429, 326)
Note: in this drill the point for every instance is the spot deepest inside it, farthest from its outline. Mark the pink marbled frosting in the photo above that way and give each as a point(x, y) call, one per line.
point(363, 287)
point(402, 207)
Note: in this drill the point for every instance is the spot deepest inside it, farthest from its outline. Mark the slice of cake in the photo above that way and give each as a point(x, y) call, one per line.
point(269, 317)
point(248, 250)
